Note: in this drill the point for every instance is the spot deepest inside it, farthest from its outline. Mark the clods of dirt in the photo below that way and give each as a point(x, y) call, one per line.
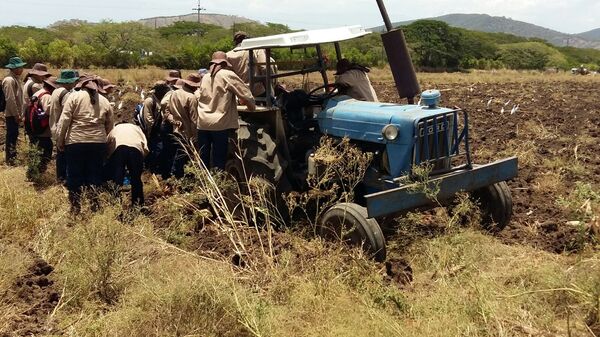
point(398, 271)
point(34, 297)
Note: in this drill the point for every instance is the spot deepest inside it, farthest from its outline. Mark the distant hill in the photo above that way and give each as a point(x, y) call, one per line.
point(497, 24)
point(593, 35)
point(225, 21)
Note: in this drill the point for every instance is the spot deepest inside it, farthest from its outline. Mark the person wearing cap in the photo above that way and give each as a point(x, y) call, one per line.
point(354, 81)
point(180, 118)
point(217, 112)
point(127, 147)
point(13, 93)
point(152, 114)
point(66, 82)
point(34, 82)
point(240, 63)
point(82, 131)
point(43, 140)
point(172, 78)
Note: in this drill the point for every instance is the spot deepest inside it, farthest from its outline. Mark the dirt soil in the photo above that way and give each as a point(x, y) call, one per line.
point(557, 124)
point(34, 297)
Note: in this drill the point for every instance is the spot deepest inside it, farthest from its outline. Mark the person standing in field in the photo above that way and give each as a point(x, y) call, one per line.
point(354, 81)
point(127, 147)
point(217, 112)
point(181, 118)
point(34, 82)
point(13, 94)
point(66, 82)
point(240, 63)
point(82, 131)
point(42, 137)
point(152, 120)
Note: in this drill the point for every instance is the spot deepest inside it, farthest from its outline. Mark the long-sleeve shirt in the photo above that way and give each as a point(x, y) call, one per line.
point(150, 108)
point(45, 99)
point(13, 92)
point(240, 64)
point(59, 98)
point(358, 85)
point(127, 134)
point(183, 109)
point(84, 122)
point(217, 108)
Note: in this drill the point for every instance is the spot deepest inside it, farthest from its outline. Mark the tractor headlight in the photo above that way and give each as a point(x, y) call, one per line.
point(390, 132)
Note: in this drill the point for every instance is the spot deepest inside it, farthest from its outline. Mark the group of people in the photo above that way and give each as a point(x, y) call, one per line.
point(71, 115)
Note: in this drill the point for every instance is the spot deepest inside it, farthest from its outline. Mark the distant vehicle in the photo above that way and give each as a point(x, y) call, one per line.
point(580, 71)
point(278, 140)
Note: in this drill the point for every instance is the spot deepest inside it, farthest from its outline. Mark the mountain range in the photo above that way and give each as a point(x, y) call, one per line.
point(498, 24)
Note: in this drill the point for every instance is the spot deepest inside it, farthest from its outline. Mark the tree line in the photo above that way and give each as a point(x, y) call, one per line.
point(434, 45)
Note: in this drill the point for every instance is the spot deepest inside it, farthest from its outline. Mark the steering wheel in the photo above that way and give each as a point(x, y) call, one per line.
point(330, 90)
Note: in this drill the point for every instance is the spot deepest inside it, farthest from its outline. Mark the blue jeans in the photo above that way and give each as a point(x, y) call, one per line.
point(12, 135)
point(61, 166)
point(215, 143)
point(174, 156)
point(85, 168)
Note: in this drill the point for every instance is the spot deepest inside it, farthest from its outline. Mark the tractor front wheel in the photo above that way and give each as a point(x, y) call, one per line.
point(348, 222)
point(495, 202)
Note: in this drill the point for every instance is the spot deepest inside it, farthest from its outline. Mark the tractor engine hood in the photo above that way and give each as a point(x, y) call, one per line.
point(364, 121)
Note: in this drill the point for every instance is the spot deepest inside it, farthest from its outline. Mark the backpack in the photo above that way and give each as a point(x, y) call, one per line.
point(36, 119)
point(138, 116)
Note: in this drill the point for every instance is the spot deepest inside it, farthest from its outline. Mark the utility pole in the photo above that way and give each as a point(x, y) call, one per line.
point(199, 9)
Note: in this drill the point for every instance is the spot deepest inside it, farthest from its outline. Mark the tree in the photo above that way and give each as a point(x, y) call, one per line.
point(7, 50)
point(31, 51)
point(60, 53)
point(435, 44)
point(530, 55)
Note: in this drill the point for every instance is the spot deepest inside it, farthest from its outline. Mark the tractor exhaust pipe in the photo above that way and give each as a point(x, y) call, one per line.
point(399, 58)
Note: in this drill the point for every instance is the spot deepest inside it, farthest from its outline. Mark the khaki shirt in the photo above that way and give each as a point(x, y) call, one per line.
point(84, 122)
point(164, 107)
point(217, 108)
point(127, 134)
point(30, 87)
point(45, 102)
point(359, 85)
point(148, 111)
point(59, 98)
point(13, 92)
point(183, 109)
point(240, 64)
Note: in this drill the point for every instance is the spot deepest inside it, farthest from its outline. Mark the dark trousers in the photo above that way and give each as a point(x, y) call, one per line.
point(61, 166)
point(45, 146)
point(152, 161)
point(85, 163)
point(215, 143)
point(128, 159)
point(12, 135)
point(174, 155)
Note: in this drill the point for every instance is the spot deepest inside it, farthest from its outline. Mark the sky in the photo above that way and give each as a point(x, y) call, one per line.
point(569, 16)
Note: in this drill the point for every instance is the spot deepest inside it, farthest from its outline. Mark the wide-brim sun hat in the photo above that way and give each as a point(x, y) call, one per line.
point(174, 75)
point(15, 63)
point(220, 57)
point(39, 69)
point(67, 76)
point(193, 80)
point(51, 81)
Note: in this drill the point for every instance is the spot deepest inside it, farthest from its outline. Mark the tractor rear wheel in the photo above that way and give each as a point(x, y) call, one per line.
point(349, 223)
point(495, 202)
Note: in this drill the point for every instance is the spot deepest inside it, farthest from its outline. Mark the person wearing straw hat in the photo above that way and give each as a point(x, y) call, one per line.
point(66, 82)
point(181, 119)
point(13, 93)
point(240, 63)
point(42, 139)
point(34, 82)
point(217, 113)
point(82, 131)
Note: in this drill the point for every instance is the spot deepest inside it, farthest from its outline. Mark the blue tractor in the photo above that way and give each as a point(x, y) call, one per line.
point(278, 139)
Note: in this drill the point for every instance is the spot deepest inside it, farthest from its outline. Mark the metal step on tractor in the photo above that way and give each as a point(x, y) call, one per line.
point(278, 139)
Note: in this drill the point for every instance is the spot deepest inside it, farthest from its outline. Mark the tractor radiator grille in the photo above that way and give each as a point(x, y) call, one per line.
point(440, 140)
